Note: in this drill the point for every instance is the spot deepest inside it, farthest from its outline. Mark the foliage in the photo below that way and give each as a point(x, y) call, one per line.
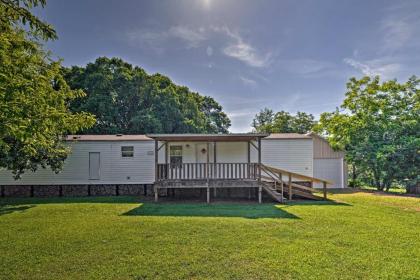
point(282, 122)
point(125, 99)
point(378, 126)
point(367, 236)
point(34, 114)
point(18, 11)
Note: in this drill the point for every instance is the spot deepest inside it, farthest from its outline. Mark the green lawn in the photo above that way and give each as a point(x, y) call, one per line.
point(356, 236)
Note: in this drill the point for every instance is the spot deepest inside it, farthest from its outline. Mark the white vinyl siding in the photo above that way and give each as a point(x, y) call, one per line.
point(114, 169)
point(330, 169)
point(296, 155)
point(232, 152)
point(293, 155)
point(226, 152)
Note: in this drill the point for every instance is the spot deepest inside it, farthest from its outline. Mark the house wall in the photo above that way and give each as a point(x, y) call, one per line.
point(329, 164)
point(296, 155)
point(114, 169)
point(226, 152)
point(331, 170)
point(290, 154)
point(322, 149)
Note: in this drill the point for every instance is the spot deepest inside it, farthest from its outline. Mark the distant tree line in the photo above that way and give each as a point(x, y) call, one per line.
point(282, 122)
point(125, 99)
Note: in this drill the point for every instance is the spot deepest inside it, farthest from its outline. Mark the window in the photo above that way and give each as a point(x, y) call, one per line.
point(175, 154)
point(127, 151)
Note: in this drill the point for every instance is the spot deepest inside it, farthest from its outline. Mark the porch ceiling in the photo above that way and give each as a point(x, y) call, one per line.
point(234, 137)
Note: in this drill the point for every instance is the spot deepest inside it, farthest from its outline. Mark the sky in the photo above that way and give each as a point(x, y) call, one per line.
point(246, 54)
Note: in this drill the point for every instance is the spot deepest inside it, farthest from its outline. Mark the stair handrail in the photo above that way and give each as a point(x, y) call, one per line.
point(296, 175)
point(290, 174)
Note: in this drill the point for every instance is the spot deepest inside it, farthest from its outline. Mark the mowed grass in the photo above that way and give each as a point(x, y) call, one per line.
point(355, 236)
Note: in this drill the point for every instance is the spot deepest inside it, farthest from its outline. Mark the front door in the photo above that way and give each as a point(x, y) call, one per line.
point(201, 153)
point(94, 166)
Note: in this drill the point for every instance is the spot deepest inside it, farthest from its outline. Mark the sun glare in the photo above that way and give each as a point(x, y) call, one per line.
point(206, 3)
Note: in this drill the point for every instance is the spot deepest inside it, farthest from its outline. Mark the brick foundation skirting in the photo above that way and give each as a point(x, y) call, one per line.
point(413, 189)
point(121, 190)
point(75, 190)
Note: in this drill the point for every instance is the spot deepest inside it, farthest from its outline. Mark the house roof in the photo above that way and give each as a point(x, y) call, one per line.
point(289, 136)
point(208, 137)
point(113, 137)
point(188, 137)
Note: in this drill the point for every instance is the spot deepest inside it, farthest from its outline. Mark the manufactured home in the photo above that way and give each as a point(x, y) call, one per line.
point(282, 165)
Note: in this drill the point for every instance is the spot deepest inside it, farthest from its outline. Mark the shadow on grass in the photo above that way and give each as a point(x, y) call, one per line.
point(8, 209)
point(250, 211)
point(226, 209)
point(317, 202)
point(68, 200)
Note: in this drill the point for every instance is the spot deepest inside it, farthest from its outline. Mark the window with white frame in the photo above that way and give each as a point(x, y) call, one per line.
point(127, 151)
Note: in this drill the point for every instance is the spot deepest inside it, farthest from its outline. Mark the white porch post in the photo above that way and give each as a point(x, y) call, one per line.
point(214, 166)
point(259, 159)
point(207, 172)
point(156, 170)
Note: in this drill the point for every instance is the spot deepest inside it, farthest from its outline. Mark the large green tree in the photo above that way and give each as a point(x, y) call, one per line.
point(378, 127)
point(282, 122)
point(34, 96)
point(125, 99)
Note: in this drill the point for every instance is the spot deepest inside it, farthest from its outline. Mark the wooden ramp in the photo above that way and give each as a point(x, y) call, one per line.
point(281, 184)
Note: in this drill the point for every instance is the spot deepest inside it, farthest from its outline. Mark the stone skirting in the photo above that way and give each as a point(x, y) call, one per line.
point(75, 190)
point(414, 189)
point(141, 190)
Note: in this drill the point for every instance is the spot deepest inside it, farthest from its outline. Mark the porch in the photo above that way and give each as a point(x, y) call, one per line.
point(208, 161)
point(219, 161)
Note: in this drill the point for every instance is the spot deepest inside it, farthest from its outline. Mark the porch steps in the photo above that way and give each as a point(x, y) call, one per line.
point(273, 192)
point(297, 191)
point(272, 180)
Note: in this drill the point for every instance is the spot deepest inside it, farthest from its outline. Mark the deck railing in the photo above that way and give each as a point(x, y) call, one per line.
point(198, 171)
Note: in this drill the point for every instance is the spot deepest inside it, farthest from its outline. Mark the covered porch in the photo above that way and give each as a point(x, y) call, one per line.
point(207, 161)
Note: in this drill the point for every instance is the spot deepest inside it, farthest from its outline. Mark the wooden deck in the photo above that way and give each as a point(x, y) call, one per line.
point(278, 183)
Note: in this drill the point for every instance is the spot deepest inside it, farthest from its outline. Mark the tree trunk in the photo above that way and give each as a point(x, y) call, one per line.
point(377, 179)
point(354, 176)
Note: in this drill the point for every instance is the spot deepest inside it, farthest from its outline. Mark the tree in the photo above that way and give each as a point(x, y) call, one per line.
point(34, 115)
point(263, 120)
point(282, 122)
point(125, 99)
point(378, 127)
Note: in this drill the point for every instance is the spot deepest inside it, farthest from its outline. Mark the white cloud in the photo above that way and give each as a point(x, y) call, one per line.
point(157, 39)
point(192, 37)
point(248, 82)
point(400, 26)
point(307, 67)
point(195, 37)
point(375, 67)
point(241, 120)
point(243, 51)
point(147, 39)
point(397, 32)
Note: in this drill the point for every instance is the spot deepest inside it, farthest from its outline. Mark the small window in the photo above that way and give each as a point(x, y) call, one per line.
point(127, 151)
